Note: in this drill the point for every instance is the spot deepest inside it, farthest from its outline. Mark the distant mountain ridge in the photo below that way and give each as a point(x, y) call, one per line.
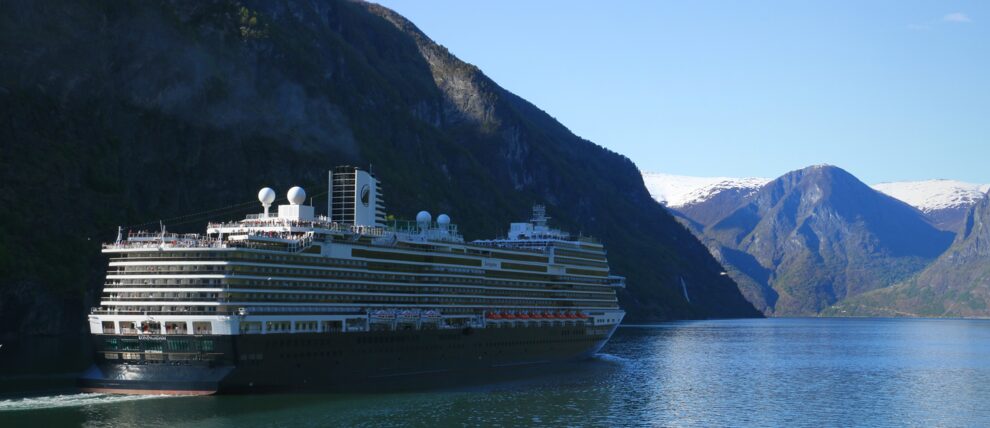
point(680, 190)
point(945, 202)
point(813, 237)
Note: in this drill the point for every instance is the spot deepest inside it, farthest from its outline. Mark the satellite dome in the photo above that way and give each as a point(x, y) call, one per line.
point(443, 219)
point(266, 195)
point(423, 217)
point(297, 195)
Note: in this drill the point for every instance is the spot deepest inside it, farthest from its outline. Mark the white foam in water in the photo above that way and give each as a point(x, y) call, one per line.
point(69, 400)
point(611, 358)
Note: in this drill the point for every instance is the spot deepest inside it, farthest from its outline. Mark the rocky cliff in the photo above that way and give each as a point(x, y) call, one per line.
point(126, 112)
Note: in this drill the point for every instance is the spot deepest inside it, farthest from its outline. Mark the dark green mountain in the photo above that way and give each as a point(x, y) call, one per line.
point(126, 112)
point(816, 236)
point(955, 285)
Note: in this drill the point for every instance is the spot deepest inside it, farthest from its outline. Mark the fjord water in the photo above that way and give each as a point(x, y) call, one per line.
point(773, 372)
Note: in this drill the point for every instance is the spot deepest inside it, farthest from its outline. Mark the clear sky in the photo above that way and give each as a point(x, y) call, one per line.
point(889, 90)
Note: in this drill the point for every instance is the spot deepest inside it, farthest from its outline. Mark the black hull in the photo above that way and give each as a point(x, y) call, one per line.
point(352, 361)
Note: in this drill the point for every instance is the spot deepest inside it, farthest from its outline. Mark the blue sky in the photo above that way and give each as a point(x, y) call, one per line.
point(889, 90)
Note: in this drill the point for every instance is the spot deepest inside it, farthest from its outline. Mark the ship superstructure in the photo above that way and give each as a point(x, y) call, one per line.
point(293, 300)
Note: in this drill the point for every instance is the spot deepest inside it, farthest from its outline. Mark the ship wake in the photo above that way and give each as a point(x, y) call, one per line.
point(611, 358)
point(68, 400)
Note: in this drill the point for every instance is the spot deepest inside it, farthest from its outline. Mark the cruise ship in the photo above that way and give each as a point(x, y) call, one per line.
point(291, 300)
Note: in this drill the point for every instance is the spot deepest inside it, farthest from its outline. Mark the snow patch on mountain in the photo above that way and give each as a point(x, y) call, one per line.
point(934, 195)
point(679, 190)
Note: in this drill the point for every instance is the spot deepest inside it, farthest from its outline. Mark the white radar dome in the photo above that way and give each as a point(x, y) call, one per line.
point(443, 219)
point(296, 195)
point(266, 195)
point(423, 217)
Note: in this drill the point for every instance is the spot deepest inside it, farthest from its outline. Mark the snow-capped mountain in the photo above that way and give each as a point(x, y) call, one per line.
point(679, 190)
point(933, 195)
point(946, 202)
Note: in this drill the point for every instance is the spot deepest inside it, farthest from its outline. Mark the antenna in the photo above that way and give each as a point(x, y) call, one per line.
point(266, 195)
point(120, 233)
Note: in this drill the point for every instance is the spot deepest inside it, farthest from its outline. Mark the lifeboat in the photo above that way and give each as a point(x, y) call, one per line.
point(382, 315)
point(582, 315)
point(494, 316)
point(509, 316)
point(430, 315)
point(536, 315)
point(522, 316)
point(571, 315)
point(549, 315)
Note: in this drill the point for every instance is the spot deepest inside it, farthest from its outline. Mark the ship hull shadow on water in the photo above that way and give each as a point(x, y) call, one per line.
point(333, 362)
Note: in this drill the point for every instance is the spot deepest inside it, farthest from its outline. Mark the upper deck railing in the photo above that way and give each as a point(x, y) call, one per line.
point(294, 233)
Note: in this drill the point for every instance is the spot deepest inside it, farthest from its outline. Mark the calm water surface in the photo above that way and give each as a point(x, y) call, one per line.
point(776, 372)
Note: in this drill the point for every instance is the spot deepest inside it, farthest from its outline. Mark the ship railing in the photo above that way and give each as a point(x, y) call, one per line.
point(259, 220)
point(496, 243)
point(107, 311)
point(183, 243)
point(617, 281)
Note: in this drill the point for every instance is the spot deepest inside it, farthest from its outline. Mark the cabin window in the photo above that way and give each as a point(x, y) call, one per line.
point(277, 326)
point(127, 327)
point(151, 327)
point(108, 327)
point(305, 325)
point(202, 327)
point(175, 327)
point(253, 327)
point(332, 326)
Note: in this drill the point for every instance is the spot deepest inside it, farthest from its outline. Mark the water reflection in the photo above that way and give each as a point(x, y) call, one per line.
point(780, 372)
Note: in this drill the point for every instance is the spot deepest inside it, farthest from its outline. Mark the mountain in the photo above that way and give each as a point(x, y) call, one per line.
point(676, 191)
point(816, 236)
point(945, 202)
point(697, 201)
point(957, 284)
point(127, 112)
